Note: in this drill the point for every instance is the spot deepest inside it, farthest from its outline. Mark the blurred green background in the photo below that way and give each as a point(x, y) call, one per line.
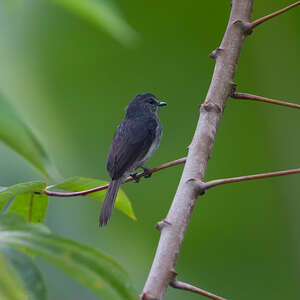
point(71, 82)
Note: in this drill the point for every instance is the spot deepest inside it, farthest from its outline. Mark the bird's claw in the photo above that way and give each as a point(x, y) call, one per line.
point(147, 174)
point(135, 178)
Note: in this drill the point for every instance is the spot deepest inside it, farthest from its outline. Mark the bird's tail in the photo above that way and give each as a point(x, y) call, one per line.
point(109, 202)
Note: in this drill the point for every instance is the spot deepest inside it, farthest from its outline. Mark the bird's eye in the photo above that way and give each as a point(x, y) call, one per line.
point(152, 101)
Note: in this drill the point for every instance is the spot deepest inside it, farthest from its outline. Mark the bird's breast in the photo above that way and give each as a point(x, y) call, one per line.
point(154, 145)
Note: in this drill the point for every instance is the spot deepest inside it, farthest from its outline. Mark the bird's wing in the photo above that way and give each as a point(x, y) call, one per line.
point(131, 143)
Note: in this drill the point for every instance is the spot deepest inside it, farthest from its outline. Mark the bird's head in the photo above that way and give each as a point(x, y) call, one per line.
point(143, 103)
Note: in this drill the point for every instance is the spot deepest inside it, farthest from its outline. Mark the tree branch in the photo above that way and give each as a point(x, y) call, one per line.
point(188, 287)
point(203, 186)
point(199, 151)
point(259, 21)
point(104, 187)
point(245, 96)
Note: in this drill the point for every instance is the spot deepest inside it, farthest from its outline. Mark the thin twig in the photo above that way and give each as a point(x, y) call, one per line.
point(104, 187)
point(74, 194)
point(245, 96)
point(188, 287)
point(259, 21)
point(216, 182)
point(203, 186)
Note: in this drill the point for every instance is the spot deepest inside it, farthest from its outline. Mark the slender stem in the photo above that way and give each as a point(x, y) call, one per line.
point(259, 21)
point(245, 96)
point(104, 187)
point(213, 183)
point(188, 287)
point(74, 194)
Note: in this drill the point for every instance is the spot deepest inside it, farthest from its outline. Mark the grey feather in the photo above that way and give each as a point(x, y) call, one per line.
point(109, 202)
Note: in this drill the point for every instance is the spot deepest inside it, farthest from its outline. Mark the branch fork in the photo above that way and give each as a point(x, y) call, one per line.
point(246, 26)
point(198, 185)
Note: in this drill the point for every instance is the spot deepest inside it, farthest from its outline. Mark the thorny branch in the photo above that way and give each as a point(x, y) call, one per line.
point(162, 271)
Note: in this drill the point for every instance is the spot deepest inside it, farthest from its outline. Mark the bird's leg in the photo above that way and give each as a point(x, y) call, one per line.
point(135, 178)
point(146, 172)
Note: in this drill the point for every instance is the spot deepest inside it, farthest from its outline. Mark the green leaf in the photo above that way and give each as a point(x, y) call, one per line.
point(77, 184)
point(10, 286)
point(103, 15)
point(27, 272)
point(88, 266)
point(7, 193)
point(32, 207)
point(28, 203)
point(17, 135)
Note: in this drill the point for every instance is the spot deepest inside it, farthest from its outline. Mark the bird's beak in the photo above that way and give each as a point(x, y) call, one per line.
point(162, 103)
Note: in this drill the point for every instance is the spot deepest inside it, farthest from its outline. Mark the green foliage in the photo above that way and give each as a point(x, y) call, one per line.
point(28, 202)
point(76, 184)
point(26, 272)
point(18, 136)
point(10, 285)
point(103, 15)
point(90, 267)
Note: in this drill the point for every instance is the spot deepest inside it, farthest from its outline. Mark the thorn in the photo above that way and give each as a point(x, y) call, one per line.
point(143, 296)
point(233, 88)
point(214, 53)
point(209, 106)
point(146, 296)
point(161, 224)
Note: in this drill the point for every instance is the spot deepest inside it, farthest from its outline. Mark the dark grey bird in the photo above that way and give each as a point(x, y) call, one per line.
point(134, 142)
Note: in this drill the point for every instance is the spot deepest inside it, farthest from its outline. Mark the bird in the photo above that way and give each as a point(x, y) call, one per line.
point(135, 140)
